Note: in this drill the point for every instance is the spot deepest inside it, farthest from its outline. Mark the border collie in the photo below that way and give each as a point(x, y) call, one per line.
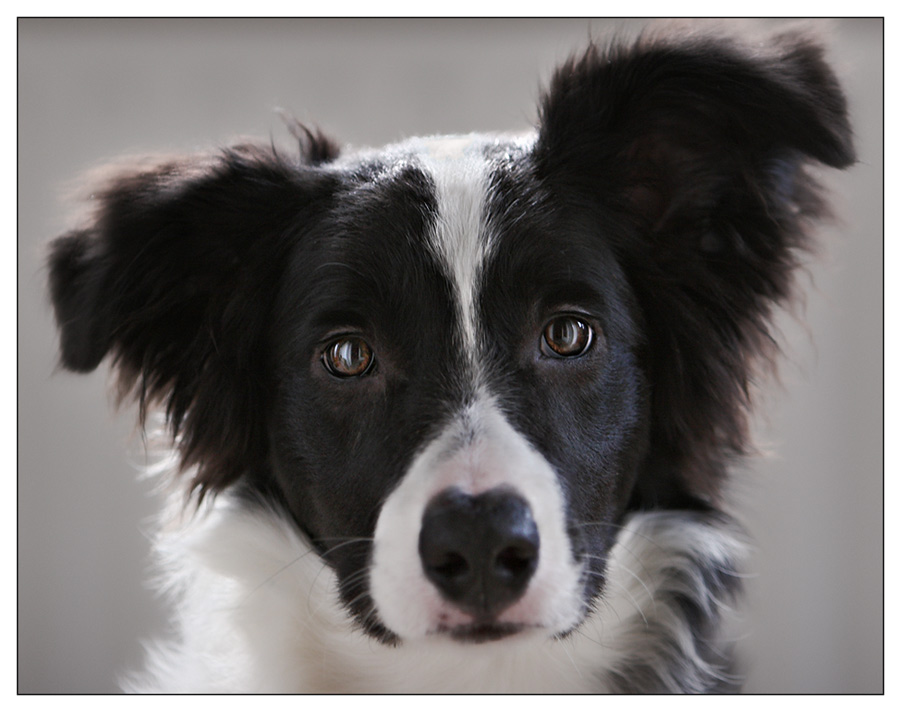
point(457, 414)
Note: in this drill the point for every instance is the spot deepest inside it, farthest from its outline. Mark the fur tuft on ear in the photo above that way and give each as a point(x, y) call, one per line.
point(75, 287)
point(315, 147)
point(699, 145)
point(175, 278)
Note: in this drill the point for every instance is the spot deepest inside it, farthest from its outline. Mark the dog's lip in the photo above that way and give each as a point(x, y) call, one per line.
point(481, 632)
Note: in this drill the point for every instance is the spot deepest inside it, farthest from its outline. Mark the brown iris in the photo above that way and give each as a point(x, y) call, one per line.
point(348, 357)
point(567, 336)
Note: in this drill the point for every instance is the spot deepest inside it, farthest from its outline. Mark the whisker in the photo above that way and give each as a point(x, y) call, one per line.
point(583, 630)
point(637, 559)
point(275, 574)
point(625, 590)
point(621, 527)
point(344, 541)
point(565, 647)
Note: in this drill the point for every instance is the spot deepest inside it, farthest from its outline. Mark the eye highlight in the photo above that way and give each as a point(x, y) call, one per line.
point(348, 357)
point(566, 336)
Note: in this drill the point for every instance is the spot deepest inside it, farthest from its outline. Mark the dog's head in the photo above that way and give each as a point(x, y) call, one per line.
point(457, 363)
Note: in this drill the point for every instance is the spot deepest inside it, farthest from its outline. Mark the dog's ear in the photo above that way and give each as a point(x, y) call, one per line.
point(699, 148)
point(174, 278)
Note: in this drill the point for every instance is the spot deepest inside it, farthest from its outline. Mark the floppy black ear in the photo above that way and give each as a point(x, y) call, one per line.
point(174, 278)
point(698, 147)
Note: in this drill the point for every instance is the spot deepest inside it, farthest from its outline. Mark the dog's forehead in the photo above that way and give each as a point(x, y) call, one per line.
point(461, 169)
point(450, 179)
point(460, 173)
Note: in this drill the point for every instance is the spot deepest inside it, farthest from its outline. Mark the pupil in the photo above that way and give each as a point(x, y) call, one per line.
point(349, 357)
point(568, 336)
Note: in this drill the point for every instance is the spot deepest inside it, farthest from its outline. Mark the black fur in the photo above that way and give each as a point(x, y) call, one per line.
point(690, 158)
point(175, 278)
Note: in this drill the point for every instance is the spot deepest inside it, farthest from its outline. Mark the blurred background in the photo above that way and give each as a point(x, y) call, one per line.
point(91, 90)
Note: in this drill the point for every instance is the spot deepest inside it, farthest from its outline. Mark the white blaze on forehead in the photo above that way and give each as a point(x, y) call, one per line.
point(459, 171)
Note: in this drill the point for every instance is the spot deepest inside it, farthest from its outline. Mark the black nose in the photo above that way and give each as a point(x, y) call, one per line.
point(479, 551)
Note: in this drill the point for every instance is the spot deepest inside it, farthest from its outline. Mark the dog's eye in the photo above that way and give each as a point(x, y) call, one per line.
point(348, 357)
point(566, 336)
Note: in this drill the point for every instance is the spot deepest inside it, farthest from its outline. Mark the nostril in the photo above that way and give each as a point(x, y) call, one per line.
point(516, 560)
point(451, 566)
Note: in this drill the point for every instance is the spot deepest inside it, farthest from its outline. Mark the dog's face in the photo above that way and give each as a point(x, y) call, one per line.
point(457, 363)
point(458, 375)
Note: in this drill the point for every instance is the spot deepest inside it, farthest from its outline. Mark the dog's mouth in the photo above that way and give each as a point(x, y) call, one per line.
point(481, 632)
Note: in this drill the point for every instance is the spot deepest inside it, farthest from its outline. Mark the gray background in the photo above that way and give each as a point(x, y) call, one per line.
point(91, 90)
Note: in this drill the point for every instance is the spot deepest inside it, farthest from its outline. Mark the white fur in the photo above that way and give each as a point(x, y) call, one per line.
point(460, 241)
point(257, 611)
point(478, 451)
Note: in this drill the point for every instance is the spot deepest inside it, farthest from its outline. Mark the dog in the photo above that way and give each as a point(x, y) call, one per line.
point(457, 415)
